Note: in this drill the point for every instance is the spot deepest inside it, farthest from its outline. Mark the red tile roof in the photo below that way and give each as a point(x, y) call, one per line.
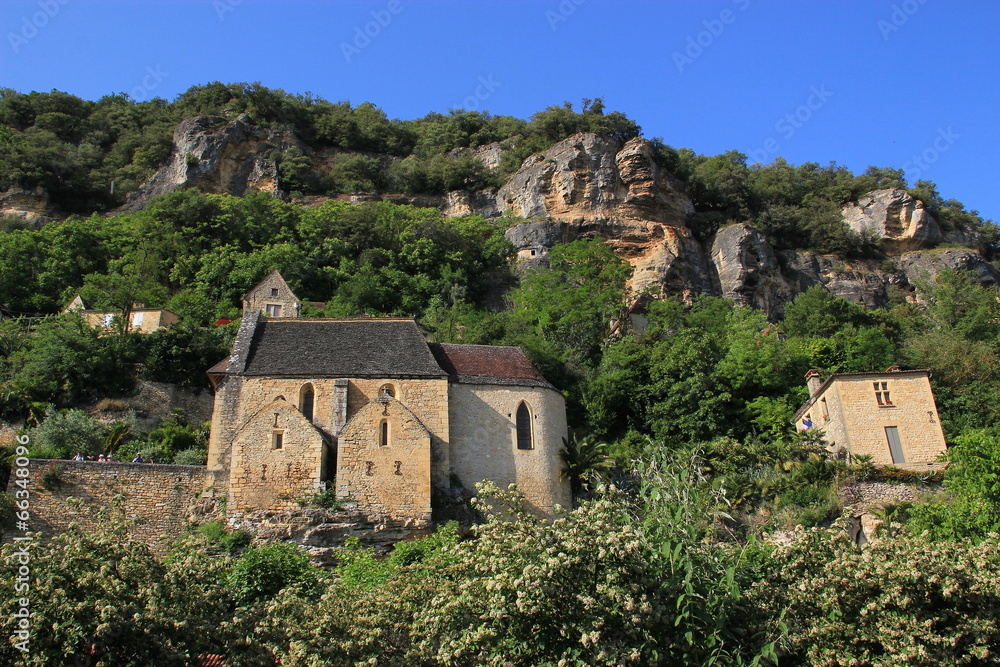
point(487, 364)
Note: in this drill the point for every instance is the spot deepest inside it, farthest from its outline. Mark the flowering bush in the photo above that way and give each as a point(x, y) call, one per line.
point(900, 601)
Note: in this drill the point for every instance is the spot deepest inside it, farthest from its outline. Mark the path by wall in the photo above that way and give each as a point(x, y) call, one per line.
point(161, 496)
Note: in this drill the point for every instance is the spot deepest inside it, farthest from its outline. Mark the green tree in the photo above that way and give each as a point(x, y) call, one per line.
point(572, 303)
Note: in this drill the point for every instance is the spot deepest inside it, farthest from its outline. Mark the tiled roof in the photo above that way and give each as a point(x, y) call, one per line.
point(487, 364)
point(340, 348)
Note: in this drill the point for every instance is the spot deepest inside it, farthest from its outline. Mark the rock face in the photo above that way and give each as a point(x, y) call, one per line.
point(32, 206)
point(747, 271)
point(588, 186)
point(895, 216)
point(217, 156)
point(925, 266)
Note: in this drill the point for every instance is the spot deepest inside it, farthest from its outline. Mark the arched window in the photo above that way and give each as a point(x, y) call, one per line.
point(387, 390)
point(524, 427)
point(307, 397)
point(383, 435)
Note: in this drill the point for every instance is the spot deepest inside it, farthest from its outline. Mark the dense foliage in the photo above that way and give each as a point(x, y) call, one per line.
point(627, 578)
point(88, 156)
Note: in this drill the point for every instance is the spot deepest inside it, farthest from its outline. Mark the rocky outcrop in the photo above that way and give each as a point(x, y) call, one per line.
point(588, 186)
point(587, 179)
point(895, 217)
point(32, 206)
point(858, 281)
point(217, 156)
point(746, 270)
point(923, 267)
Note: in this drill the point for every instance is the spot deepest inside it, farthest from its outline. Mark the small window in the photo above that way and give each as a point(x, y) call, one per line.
point(524, 427)
point(387, 390)
point(273, 310)
point(277, 439)
point(882, 393)
point(137, 319)
point(108, 318)
point(274, 292)
point(826, 410)
point(532, 253)
point(383, 436)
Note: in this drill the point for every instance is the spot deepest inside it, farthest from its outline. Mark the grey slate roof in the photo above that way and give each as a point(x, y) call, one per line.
point(340, 348)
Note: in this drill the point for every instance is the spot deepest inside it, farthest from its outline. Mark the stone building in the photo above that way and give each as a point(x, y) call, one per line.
point(368, 407)
point(141, 319)
point(890, 416)
point(272, 297)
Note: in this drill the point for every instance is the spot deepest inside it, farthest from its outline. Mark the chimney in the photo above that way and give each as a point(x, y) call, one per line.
point(813, 381)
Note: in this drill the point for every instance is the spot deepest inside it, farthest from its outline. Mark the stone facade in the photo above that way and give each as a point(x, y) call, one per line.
point(486, 448)
point(863, 413)
point(159, 497)
point(384, 461)
point(272, 297)
point(277, 457)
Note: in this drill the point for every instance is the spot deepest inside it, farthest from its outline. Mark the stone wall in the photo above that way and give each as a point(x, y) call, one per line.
point(278, 457)
point(484, 441)
point(386, 471)
point(159, 496)
point(857, 422)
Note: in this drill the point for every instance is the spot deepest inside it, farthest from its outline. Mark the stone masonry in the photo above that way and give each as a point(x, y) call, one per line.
point(158, 497)
point(384, 462)
point(272, 297)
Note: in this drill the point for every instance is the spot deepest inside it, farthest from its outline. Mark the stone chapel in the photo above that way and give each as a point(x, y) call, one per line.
point(368, 407)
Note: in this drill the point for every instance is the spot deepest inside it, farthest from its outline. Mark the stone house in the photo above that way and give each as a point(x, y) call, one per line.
point(369, 408)
point(272, 297)
point(890, 416)
point(141, 319)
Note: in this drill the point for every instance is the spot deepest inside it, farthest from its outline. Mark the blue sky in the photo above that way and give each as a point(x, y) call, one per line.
point(902, 83)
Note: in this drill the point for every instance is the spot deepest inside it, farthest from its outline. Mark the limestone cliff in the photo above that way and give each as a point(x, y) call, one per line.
point(588, 186)
point(217, 156)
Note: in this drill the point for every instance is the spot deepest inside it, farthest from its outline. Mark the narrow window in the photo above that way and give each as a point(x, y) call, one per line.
point(882, 393)
point(306, 401)
point(274, 292)
point(277, 440)
point(826, 410)
point(524, 427)
point(895, 446)
point(384, 433)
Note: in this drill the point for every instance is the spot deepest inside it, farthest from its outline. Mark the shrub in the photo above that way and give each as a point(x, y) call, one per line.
point(262, 572)
point(895, 603)
point(191, 457)
point(63, 434)
point(51, 477)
